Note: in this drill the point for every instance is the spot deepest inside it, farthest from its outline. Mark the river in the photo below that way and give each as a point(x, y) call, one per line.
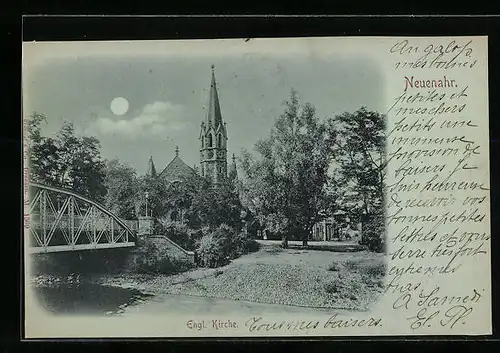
point(96, 299)
point(87, 298)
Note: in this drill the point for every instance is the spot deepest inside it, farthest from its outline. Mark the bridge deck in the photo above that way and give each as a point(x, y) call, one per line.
point(60, 248)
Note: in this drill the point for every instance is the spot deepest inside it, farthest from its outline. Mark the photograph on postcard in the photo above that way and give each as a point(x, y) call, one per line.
point(269, 187)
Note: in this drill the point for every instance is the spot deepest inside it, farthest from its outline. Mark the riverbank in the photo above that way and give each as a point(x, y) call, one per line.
point(349, 281)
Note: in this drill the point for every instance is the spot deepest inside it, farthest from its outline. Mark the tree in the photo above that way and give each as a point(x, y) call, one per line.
point(66, 160)
point(358, 149)
point(285, 186)
point(122, 188)
point(156, 190)
point(181, 197)
point(216, 205)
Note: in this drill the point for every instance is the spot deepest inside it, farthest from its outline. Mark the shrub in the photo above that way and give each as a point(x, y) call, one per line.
point(226, 235)
point(181, 234)
point(243, 244)
point(211, 251)
point(150, 259)
point(335, 267)
point(352, 265)
point(216, 248)
point(344, 287)
point(376, 270)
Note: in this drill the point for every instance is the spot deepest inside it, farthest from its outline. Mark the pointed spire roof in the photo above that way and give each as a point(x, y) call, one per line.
point(214, 115)
point(151, 167)
point(232, 168)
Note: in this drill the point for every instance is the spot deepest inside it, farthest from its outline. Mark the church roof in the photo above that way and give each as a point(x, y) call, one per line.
point(177, 169)
point(214, 115)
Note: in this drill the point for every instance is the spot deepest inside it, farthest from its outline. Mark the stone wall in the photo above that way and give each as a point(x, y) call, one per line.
point(171, 249)
point(158, 254)
point(146, 225)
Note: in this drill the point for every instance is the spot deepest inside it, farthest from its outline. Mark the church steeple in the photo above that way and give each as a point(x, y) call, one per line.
point(214, 116)
point(213, 139)
point(151, 168)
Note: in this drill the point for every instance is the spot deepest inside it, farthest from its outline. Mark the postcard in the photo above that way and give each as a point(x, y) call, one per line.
point(267, 187)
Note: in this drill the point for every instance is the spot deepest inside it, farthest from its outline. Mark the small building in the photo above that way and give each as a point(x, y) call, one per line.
point(336, 227)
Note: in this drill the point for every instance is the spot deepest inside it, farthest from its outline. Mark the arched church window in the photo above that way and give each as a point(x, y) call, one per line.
point(209, 140)
point(220, 140)
point(202, 142)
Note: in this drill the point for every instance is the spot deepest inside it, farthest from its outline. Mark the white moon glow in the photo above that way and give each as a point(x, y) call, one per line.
point(119, 106)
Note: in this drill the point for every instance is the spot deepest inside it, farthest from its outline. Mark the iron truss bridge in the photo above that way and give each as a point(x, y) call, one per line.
point(62, 220)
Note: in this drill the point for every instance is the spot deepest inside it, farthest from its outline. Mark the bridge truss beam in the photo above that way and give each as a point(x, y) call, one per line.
point(62, 220)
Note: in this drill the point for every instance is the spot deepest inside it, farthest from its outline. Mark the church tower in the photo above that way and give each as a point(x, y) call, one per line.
point(213, 139)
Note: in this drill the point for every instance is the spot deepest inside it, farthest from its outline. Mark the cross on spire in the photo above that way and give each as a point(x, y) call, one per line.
point(177, 151)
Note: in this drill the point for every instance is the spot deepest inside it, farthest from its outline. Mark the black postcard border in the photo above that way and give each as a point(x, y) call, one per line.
point(44, 28)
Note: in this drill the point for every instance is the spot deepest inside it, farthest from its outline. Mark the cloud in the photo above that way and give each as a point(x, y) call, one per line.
point(158, 119)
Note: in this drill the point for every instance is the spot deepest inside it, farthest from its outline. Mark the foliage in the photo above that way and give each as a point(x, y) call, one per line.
point(218, 247)
point(180, 199)
point(193, 202)
point(65, 160)
point(210, 251)
point(285, 186)
point(374, 230)
point(180, 233)
point(152, 260)
point(122, 187)
point(243, 244)
point(354, 274)
point(156, 190)
point(226, 235)
point(358, 143)
point(213, 206)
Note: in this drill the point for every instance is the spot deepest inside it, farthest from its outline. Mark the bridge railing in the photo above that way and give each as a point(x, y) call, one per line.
point(62, 220)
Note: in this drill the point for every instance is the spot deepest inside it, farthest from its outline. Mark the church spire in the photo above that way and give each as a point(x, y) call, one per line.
point(233, 173)
point(151, 168)
point(213, 139)
point(214, 116)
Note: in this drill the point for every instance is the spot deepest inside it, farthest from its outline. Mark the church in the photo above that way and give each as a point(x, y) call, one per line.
point(213, 149)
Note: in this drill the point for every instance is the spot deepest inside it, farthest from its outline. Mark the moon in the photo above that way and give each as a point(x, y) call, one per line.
point(119, 106)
